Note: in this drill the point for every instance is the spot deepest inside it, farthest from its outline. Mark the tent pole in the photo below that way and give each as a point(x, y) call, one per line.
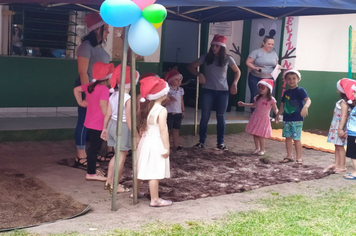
point(197, 88)
point(258, 13)
point(119, 120)
point(90, 8)
point(199, 9)
point(133, 124)
point(292, 12)
point(173, 12)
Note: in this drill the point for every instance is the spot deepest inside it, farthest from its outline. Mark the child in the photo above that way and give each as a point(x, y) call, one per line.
point(97, 96)
point(153, 147)
point(259, 124)
point(350, 91)
point(337, 132)
point(175, 105)
point(110, 125)
point(295, 104)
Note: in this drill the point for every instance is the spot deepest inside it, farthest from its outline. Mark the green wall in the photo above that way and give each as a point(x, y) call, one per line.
point(37, 82)
point(44, 82)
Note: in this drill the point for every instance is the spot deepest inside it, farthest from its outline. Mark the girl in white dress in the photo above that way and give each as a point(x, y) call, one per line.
point(153, 147)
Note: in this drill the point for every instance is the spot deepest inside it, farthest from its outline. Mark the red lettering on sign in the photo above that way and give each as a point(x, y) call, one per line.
point(290, 20)
point(287, 65)
point(290, 46)
point(289, 30)
point(289, 36)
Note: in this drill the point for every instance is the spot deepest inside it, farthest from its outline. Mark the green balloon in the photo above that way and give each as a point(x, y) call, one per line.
point(155, 13)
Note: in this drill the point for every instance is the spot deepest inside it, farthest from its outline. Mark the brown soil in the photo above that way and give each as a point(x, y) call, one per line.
point(27, 201)
point(200, 173)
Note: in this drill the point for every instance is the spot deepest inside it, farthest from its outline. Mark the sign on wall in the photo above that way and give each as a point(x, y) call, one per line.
point(222, 28)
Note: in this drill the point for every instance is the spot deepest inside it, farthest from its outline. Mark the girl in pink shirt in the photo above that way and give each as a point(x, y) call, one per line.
point(97, 97)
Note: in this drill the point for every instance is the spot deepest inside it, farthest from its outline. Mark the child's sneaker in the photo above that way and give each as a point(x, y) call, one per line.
point(222, 147)
point(198, 145)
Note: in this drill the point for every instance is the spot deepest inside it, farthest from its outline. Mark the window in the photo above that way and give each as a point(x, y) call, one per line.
point(43, 32)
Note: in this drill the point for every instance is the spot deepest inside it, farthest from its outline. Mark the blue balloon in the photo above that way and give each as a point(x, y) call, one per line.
point(120, 13)
point(143, 37)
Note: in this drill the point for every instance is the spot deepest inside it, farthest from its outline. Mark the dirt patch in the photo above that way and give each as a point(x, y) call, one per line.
point(27, 201)
point(200, 173)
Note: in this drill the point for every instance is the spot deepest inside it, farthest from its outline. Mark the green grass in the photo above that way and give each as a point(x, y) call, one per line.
point(332, 213)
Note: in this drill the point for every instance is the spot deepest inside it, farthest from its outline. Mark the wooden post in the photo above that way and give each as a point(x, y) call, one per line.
point(133, 125)
point(197, 89)
point(119, 120)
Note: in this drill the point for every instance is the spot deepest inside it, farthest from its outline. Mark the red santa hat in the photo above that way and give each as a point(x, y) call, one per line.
point(219, 40)
point(347, 86)
point(115, 78)
point(149, 74)
point(93, 21)
point(293, 71)
point(153, 88)
point(171, 75)
point(267, 82)
point(102, 71)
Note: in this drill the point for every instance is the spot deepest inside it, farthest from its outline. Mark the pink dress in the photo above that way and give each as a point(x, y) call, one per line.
point(259, 123)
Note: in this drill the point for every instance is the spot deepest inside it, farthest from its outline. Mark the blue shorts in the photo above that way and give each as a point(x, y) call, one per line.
point(292, 129)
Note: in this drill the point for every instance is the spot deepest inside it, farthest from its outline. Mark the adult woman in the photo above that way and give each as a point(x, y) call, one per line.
point(261, 61)
point(89, 52)
point(215, 87)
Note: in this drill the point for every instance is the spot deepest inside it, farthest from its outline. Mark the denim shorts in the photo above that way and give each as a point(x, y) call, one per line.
point(292, 129)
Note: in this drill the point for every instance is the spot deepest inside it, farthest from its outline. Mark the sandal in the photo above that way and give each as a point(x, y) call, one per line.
point(286, 160)
point(84, 164)
point(105, 158)
point(255, 152)
point(261, 153)
point(299, 162)
point(161, 203)
point(222, 147)
point(125, 190)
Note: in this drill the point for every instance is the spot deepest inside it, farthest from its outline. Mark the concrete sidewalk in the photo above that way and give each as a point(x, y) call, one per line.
point(36, 124)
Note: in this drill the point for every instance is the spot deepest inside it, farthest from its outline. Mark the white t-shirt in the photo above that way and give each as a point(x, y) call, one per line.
point(114, 103)
point(175, 106)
